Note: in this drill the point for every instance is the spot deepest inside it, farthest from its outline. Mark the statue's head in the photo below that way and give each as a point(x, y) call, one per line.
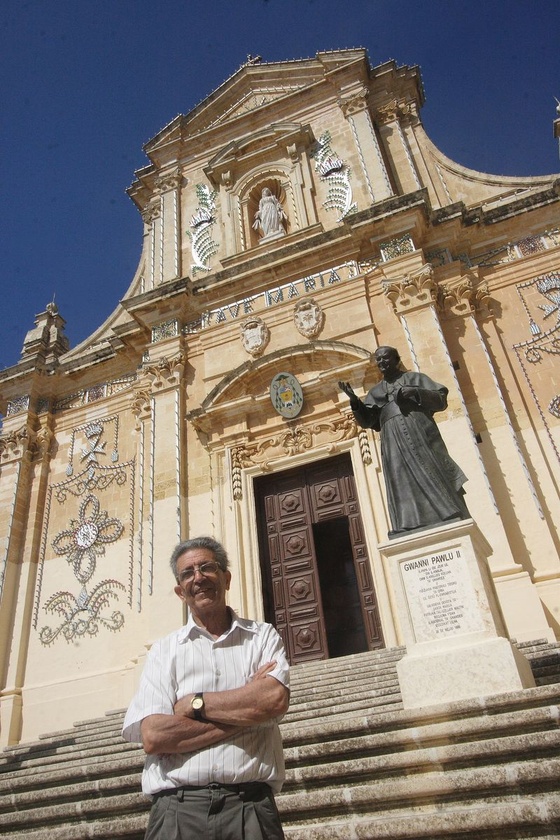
point(388, 360)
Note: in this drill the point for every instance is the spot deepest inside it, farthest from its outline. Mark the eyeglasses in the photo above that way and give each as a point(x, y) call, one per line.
point(205, 569)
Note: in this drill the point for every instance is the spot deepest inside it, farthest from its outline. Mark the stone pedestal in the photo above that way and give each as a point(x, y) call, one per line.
point(450, 618)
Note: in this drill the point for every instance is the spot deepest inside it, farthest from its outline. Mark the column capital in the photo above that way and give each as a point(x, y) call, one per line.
point(413, 291)
point(461, 297)
point(163, 374)
point(151, 212)
point(15, 444)
point(169, 181)
point(396, 110)
point(354, 102)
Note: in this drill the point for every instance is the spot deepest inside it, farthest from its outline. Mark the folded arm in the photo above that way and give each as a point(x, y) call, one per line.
point(225, 712)
point(261, 699)
point(179, 734)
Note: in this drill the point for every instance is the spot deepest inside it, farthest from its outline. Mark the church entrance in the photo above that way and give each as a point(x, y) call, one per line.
point(318, 590)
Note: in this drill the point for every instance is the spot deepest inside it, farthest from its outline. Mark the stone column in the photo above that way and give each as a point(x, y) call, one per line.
point(355, 109)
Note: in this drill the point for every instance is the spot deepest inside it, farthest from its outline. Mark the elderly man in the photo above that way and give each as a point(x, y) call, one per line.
point(424, 484)
point(206, 713)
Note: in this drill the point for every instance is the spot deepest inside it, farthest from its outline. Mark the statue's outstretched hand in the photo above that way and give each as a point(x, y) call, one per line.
point(355, 402)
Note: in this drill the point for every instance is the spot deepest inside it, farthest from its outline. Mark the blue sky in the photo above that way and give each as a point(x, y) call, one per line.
point(85, 83)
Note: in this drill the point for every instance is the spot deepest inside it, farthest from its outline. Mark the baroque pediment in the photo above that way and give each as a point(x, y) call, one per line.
point(255, 85)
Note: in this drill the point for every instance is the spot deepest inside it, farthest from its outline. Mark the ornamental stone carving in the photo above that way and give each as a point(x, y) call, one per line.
point(255, 336)
point(14, 444)
point(165, 373)
point(171, 181)
point(308, 318)
point(354, 103)
point(151, 213)
point(394, 110)
point(413, 290)
point(462, 297)
point(293, 441)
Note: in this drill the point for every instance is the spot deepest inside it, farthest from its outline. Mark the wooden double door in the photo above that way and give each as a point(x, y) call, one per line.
point(318, 589)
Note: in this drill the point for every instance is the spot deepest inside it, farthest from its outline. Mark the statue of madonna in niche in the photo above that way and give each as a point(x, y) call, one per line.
point(270, 217)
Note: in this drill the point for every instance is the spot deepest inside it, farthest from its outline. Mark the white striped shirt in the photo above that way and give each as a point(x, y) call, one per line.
point(188, 661)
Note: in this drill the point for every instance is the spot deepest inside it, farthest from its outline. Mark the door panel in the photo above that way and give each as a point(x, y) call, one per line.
point(318, 590)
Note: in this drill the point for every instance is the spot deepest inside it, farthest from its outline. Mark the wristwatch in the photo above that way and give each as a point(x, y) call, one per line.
point(197, 704)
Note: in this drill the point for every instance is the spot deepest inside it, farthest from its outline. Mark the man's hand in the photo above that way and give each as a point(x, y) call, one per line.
point(355, 402)
point(263, 671)
point(409, 392)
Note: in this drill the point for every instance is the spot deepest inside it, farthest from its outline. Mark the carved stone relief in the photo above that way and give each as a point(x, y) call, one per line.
point(83, 542)
point(255, 336)
point(309, 318)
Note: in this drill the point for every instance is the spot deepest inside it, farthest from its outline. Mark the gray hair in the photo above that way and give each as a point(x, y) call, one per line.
point(218, 551)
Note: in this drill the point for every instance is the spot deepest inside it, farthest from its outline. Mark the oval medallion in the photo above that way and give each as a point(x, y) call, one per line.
point(286, 395)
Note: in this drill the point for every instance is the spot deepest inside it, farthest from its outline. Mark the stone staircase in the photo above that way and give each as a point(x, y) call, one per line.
point(358, 764)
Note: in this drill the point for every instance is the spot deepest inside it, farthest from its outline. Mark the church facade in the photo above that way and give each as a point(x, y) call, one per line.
point(294, 221)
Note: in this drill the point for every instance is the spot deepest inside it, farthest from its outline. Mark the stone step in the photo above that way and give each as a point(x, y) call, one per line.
point(375, 757)
point(400, 744)
point(358, 765)
point(536, 817)
point(454, 788)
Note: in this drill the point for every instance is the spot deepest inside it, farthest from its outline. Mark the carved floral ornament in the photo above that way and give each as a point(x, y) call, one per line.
point(463, 298)
point(294, 441)
point(394, 110)
point(412, 290)
point(355, 102)
point(151, 212)
point(171, 181)
point(164, 372)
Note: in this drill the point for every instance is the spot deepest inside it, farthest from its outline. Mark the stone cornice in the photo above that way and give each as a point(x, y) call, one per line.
point(513, 206)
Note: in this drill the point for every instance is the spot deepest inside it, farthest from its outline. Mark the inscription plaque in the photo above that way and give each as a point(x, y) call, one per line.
point(441, 597)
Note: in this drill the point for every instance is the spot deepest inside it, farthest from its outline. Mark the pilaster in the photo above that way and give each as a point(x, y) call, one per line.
point(154, 231)
point(158, 405)
point(355, 108)
point(169, 188)
point(393, 120)
point(25, 454)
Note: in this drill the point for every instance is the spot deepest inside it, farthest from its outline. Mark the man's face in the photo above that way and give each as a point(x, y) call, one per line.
point(204, 591)
point(387, 360)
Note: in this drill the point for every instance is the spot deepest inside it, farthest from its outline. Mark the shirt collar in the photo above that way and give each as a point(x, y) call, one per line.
point(192, 629)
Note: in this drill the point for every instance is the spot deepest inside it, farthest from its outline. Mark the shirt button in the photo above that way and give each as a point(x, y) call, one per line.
point(218, 672)
point(214, 768)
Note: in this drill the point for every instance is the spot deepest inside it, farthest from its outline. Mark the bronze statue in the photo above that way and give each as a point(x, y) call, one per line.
point(424, 484)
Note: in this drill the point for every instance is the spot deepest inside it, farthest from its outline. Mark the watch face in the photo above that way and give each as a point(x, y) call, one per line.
point(197, 703)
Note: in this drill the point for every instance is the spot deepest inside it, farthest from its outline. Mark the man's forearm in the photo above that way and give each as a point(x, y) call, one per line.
point(179, 734)
point(254, 703)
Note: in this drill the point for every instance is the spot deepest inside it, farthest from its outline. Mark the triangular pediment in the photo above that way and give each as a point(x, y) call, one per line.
point(254, 86)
